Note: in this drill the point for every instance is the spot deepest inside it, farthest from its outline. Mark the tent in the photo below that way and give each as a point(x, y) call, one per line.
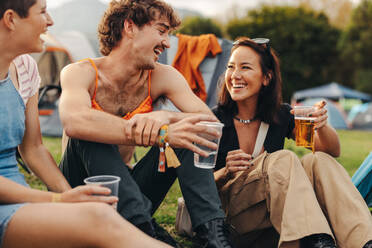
point(211, 69)
point(332, 91)
point(59, 51)
point(336, 117)
point(363, 119)
point(355, 110)
point(362, 179)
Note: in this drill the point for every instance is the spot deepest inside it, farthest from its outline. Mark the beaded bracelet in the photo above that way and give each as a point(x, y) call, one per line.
point(167, 154)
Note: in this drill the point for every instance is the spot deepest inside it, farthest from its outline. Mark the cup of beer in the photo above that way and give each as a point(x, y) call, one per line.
point(304, 125)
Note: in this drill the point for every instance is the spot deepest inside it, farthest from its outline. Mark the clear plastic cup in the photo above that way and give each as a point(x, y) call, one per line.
point(108, 181)
point(210, 161)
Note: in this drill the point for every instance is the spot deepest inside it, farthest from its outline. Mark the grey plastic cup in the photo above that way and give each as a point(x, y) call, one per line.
point(108, 181)
point(210, 161)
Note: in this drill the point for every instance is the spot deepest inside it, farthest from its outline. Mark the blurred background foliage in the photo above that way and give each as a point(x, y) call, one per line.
point(200, 25)
point(318, 41)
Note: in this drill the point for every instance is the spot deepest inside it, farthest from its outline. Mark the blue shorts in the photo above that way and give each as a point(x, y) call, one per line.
point(7, 210)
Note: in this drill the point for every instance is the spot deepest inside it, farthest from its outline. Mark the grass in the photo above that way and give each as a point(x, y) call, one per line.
point(355, 146)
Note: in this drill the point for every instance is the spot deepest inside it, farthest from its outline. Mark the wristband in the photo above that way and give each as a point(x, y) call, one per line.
point(56, 197)
point(167, 154)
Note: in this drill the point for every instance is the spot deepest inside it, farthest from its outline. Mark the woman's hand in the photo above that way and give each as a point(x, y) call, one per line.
point(318, 112)
point(237, 160)
point(321, 114)
point(89, 193)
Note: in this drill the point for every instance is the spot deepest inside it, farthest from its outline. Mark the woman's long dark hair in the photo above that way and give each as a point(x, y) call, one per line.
point(270, 96)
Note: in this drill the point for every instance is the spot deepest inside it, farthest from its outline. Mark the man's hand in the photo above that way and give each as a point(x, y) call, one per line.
point(144, 128)
point(89, 193)
point(184, 133)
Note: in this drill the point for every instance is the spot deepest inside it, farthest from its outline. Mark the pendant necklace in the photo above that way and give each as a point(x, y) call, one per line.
point(244, 121)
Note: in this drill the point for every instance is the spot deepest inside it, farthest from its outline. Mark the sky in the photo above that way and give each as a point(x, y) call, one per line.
point(210, 8)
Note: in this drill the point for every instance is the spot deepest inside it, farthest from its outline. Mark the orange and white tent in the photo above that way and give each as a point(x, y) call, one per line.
point(59, 51)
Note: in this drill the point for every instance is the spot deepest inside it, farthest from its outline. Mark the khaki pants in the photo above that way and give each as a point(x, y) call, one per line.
point(282, 199)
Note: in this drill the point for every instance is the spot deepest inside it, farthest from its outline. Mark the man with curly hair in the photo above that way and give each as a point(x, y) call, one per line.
point(106, 109)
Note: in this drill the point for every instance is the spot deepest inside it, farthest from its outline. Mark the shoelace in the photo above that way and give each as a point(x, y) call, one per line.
point(223, 232)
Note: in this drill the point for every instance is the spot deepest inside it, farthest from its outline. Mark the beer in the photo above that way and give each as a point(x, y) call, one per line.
point(305, 132)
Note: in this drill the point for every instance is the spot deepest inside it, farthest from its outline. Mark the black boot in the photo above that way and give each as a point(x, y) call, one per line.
point(321, 240)
point(162, 235)
point(154, 230)
point(368, 245)
point(213, 234)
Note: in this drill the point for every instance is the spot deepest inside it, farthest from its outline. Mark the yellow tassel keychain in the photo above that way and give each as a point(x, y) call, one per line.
point(167, 154)
point(172, 160)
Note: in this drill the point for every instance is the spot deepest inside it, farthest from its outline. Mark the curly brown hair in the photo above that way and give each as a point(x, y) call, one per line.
point(141, 12)
point(270, 97)
point(20, 6)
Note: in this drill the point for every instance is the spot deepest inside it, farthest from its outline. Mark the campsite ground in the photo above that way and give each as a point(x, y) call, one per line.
point(355, 146)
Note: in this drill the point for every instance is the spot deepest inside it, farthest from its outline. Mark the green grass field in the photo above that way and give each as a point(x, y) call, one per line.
point(355, 146)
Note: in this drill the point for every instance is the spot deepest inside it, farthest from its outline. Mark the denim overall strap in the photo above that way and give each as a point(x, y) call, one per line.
point(12, 124)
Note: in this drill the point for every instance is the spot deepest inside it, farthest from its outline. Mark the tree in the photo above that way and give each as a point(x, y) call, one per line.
point(337, 11)
point(304, 39)
point(356, 47)
point(200, 25)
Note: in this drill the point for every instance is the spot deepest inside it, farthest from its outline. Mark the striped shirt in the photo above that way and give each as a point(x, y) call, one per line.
point(28, 76)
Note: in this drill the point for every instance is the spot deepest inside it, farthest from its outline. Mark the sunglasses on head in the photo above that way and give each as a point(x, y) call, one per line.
point(261, 42)
point(258, 41)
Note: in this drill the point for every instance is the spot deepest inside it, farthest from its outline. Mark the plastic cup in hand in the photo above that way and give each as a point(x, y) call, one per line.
point(111, 182)
point(304, 126)
point(210, 161)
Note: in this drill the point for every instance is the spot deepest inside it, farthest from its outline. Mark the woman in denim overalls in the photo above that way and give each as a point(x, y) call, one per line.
point(27, 216)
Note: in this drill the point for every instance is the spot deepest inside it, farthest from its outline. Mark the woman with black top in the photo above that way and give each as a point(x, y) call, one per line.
point(271, 198)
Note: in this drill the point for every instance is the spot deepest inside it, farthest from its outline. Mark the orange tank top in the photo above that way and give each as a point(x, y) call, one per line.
point(144, 107)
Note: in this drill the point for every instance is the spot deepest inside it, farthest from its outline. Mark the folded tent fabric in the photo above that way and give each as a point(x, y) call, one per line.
point(191, 52)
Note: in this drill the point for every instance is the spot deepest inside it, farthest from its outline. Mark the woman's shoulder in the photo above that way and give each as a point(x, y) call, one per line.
point(284, 116)
point(223, 115)
point(28, 76)
point(284, 110)
point(219, 112)
point(26, 68)
point(25, 62)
